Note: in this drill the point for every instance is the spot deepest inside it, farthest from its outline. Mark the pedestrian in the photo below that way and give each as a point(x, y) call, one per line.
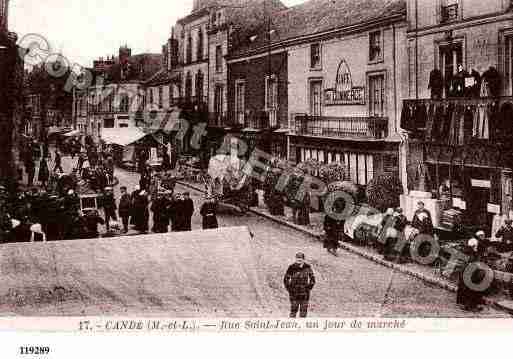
point(160, 214)
point(505, 233)
point(124, 208)
point(58, 162)
point(30, 168)
point(209, 213)
point(188, 211)
point(334, 229)
point(71, 205)
point(44, 173)
point(299, 281)
point(109, 207)
point(174, 210)
point(467, 295)
point(166, 160)
point(141, 212)
point(422, 220)
point(133, 198)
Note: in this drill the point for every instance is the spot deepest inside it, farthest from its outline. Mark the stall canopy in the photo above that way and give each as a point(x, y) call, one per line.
point(54, 130)
point(122, 136)
point(73, 133)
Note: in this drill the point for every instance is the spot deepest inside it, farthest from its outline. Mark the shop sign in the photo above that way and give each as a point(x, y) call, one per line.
point(481, 183)
point(494, 208)
point(344, 93)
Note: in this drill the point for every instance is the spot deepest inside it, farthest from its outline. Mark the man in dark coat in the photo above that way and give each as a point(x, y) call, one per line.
point(422, 220)
point(109, 207)
point(299, 281)
point(469, 297)
point(133, 197)
point(141, 212)
point(71, 204)
point(44, 173)
point(125, 205)
point(334, 229)
point(174, 212)
point(30, 168)
point(209, 213)
point(160, 214)
point(58, 162)
point(188, 211)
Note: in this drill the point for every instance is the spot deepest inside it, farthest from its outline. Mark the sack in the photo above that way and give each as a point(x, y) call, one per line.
point(114, 225)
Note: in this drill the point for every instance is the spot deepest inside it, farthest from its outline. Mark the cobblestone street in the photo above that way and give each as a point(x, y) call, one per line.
point(347, 285)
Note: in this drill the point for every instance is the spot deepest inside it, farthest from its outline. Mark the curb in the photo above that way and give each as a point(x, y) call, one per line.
point(372, 257)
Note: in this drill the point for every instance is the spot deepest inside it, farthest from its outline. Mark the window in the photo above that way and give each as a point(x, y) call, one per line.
point(218, 103)
point(377, 95)
point(450, 56)
point(188, 87)
point(161, 96)
point(188, 55)
point(316, 97)
point(150, 90)
point(124, 104)
point(449, 10)
point(375, 46)
point(200, 46)
point(219, 58)
point(199, 87)
point(108, 123)
point(123, 125)
point(240, 93)
point(271, 99)
point(315, 56)
point(508, 65)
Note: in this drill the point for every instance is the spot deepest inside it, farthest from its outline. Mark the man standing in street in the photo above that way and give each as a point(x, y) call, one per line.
point(58, 161)
point(125, 205)
point(109, 207)
point(188, 207)
point(299, 281)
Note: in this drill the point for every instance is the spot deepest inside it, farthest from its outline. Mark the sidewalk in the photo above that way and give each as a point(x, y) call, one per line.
point(428, 274)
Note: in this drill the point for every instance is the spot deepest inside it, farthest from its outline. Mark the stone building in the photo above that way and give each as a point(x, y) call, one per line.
point(460, 83)
point(11, 99)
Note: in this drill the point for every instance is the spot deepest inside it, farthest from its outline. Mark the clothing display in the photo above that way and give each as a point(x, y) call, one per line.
point(436, 84)
point(491, 83)
point(458, 122)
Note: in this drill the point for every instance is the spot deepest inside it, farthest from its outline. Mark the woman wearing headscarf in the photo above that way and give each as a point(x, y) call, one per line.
point(209, 213)
point(44, 173)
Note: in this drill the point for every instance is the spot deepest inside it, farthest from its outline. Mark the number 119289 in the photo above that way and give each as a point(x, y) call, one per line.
point(34, 350)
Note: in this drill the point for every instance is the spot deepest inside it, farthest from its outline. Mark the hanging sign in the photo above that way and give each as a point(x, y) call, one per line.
point(344, 92)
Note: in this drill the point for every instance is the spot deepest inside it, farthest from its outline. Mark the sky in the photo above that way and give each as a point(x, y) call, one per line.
point(85, 30)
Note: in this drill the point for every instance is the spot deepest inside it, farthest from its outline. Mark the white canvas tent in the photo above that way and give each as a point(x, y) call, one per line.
point(212, 273)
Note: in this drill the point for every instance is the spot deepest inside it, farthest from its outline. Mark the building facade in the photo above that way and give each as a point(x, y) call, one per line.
point(458, 113)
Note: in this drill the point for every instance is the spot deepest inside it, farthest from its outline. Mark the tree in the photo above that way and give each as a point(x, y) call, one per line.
point(384, 192)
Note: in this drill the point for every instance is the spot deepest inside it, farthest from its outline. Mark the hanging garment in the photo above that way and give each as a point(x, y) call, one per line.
point(436, 83)
point(492, 79)
point(505, 123)
point(468, 124)
point(407, 120)
point(438, 122)
point(431, 113)
point(454, 125)
point(447, 119)
point(480, 129)
point(420, 117)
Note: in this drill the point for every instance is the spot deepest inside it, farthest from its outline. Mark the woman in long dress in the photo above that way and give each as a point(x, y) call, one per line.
point(44, 173)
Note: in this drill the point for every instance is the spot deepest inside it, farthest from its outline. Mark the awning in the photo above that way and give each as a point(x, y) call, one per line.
point(54, 130)
point(167, 122)
point(122, 136)
point(282, 130)
point(73, 133)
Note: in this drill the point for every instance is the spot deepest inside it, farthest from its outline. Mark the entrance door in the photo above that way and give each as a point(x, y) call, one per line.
point(477, 208)
point(218, 103)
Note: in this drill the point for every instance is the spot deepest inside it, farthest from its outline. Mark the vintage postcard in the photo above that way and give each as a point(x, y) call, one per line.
point(248, 166)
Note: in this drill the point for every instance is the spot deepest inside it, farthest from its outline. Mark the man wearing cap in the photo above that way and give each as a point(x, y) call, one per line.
point(109, 207)
point(506, 234)
point(188, 208)
point(299, 281)
point(125, 206)
point(466, 296)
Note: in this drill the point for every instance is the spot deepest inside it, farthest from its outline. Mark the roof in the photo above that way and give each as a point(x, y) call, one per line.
point(122, 136)
point(141, 67)
point(163, 77)
point(316, 16)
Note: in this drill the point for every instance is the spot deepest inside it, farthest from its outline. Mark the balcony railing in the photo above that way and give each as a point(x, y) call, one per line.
point(341, 127)
point(449, 13)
